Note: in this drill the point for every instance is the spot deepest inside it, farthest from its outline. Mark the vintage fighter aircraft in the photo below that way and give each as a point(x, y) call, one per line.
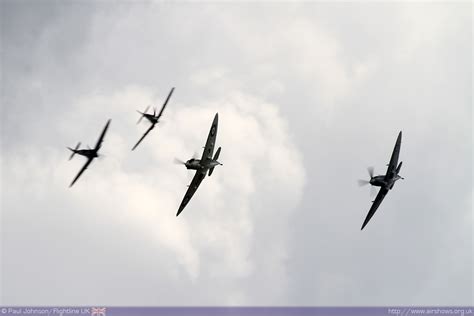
point(89, 153)
point(207, 162)
point(153, 118)
point(386, 181)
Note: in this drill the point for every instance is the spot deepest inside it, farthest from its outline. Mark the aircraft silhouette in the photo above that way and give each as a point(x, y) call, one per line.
point(152, 118)
point(386, 182)
point(207, 162)
point(89, 153)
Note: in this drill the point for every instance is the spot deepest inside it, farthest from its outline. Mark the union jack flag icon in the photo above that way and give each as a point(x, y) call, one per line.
point(98, 311)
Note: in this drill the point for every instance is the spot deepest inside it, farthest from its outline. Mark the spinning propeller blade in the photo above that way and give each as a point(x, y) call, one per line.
point(74, 150)
point(179, 161)
point(142, 114)
point(371, 171)
point(363, 182)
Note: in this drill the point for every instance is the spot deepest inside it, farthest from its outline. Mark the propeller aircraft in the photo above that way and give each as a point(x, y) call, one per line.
point(206, 164)
point(385, 182)
point(152, 118)
point(89, 153)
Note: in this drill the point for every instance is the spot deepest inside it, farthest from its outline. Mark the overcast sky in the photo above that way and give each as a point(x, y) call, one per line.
point(308, 95)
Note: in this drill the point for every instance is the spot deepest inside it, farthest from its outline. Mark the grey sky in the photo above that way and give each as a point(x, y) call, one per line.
point(308, 96)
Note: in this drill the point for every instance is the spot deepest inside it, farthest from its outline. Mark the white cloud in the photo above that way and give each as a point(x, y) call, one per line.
point(328, 83)
point(140, 191)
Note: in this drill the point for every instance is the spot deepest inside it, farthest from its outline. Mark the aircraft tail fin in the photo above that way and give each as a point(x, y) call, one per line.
point(399, 167)
point(74, 150)
point(218, 152)
point(216, 156)
point(211, 170)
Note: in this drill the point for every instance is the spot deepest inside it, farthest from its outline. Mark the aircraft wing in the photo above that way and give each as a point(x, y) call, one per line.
point(392, 166)
point(211, 140)
point(101, 138)
point(88, 162)
point(144, 135)
point(375, 204)
point(198, 177)
point(166, 102)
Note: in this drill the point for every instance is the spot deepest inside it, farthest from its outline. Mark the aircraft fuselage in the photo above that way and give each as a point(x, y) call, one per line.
point(196, 164)
point(193, 164)
point(150, 117)
point(89, 153)
point(380, 181)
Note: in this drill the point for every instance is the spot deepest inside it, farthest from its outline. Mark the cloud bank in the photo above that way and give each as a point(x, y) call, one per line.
point(308, 95)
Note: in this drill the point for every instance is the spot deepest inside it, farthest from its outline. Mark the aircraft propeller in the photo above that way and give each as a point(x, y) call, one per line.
point(371, 174)
point(142, 114)
point(179, 161)
point(74, 151)
point(361, 182)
